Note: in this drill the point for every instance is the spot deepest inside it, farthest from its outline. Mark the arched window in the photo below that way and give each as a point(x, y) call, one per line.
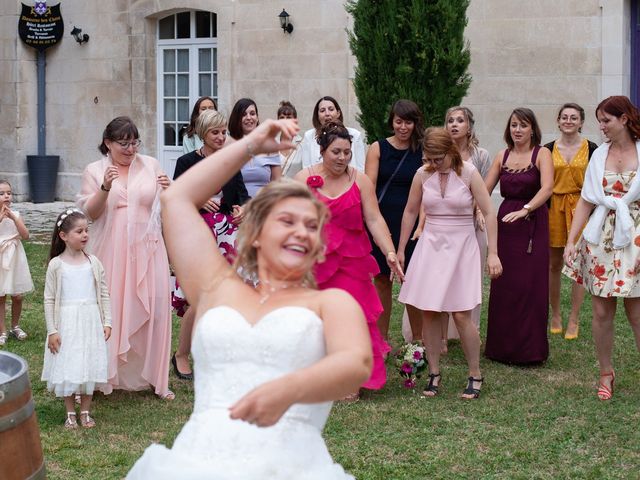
point(187, 69)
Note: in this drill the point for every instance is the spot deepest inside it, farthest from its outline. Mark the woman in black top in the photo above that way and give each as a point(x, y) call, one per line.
point(222, 213)
point(391, 165)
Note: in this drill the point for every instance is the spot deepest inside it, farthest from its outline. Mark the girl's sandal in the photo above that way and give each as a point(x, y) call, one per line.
point(71, 423)
point(19, 333)
point(86, 421)
point(3, 338)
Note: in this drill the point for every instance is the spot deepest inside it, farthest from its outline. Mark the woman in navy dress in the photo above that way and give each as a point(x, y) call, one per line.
point(391, 164)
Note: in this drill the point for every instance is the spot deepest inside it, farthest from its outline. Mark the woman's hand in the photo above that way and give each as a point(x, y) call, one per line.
point(570, 253)
point(237, 214)
point(163, 180)
point(494, 266)
point(517, 215)
point(417, 233)
point(264, 405)
point(53, 342)
point(396, 268)
point(110, 174)
point(107, 333)
point(212, 205)
point(263, 138)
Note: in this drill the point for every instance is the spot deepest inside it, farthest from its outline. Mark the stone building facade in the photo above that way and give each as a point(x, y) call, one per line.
point(150, 59)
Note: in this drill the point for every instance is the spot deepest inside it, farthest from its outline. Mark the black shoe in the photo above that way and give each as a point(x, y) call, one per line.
point(474, 392)
point(179, 374)
point(431, 390)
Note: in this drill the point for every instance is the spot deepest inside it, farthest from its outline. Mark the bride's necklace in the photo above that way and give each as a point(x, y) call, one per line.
point(272, 289)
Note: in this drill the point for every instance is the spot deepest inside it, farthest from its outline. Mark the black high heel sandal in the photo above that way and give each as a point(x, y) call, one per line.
point(431, 387)
point(475, 392)
point(179, 374)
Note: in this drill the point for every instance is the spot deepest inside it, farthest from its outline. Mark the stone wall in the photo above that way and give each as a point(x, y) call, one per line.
point(535, 53)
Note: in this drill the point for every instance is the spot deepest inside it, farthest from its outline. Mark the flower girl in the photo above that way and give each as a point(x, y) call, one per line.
point(78, 315)
point(15, 279)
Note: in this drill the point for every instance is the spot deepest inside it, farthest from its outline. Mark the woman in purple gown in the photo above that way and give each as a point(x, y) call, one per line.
point(519, 299)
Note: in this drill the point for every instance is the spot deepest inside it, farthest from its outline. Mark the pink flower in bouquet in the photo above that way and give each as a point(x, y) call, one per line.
point(417, 355)
point(409, 383)
point(315, 181)
point(406, 368)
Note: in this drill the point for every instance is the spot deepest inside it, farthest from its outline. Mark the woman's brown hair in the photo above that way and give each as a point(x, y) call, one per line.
point(438, 142)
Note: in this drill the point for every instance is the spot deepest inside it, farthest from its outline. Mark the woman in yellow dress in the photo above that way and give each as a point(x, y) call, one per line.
point(570, 154)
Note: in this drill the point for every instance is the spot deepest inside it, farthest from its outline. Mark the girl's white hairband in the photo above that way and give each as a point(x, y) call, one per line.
point(66, 214)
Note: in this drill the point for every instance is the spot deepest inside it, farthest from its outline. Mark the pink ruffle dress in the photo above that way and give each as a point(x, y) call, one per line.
point(350, 266)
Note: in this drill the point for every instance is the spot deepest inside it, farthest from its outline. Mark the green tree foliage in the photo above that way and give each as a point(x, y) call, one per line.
point(412, 49)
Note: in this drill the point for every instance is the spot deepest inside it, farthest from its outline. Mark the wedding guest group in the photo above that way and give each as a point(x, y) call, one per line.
point(303, 268)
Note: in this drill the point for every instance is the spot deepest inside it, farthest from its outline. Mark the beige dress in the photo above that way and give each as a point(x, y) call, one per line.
point(15, 278)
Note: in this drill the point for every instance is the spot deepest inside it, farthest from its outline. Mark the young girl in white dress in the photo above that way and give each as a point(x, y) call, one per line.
point(78, 315)
point(15, 279)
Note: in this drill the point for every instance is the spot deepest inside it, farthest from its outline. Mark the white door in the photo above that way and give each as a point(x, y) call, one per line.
point(187, 69)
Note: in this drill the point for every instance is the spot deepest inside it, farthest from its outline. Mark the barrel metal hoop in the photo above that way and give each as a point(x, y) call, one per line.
point(17, 417)
point(41, 474)
point(14, 388)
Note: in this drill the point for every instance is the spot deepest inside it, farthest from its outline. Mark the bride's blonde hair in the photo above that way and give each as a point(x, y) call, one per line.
point(256, 213)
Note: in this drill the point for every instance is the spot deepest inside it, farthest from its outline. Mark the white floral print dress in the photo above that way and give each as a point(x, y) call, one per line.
point(603, 270)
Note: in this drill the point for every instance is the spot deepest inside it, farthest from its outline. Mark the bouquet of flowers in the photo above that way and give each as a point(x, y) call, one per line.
point(411, 362)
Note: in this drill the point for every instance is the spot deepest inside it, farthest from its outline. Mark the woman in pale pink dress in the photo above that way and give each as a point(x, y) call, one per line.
point(120, 193)
point(444, 273)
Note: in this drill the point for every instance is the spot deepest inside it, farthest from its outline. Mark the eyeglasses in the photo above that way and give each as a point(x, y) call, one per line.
point(134, 143)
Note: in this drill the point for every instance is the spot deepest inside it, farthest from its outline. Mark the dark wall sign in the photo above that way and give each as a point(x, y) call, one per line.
point(40, 26)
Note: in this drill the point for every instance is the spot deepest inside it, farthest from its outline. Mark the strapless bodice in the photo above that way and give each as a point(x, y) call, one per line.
point(232, 356)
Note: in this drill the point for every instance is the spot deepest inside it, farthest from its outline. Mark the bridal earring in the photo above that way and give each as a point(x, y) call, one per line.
point(255, 244)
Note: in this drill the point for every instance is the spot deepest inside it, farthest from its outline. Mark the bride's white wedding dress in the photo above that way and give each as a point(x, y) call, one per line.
point(231, 357)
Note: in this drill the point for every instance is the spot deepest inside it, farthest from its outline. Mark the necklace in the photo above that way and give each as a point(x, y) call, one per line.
point(271, 289)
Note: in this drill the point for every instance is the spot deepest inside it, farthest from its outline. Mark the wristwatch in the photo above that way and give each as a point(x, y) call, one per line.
point(527, 207)
point(103, 188)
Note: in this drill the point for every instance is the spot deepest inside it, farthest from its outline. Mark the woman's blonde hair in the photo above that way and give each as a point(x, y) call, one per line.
point(436, 142)
point(256, 213)
point(468, 115)
point(208, 120)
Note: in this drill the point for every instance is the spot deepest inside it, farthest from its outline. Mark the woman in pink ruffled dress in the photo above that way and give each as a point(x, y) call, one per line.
point(120, 194)
point(348, 262)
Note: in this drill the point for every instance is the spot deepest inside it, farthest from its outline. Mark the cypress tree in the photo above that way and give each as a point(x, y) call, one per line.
point(412, 49)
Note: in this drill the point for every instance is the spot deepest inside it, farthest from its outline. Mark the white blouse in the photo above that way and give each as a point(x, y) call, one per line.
point(310, 151)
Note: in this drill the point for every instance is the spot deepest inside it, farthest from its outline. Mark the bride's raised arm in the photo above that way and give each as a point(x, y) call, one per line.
point(192, 248)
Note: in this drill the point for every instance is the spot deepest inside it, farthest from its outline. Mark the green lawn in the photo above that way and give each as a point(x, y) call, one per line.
point(543, 422)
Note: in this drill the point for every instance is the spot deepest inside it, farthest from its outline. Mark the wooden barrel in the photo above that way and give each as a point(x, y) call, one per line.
point(20, 450)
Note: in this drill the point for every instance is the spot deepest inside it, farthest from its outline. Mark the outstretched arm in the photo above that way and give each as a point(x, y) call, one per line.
point(376, 224)
point(345, 367)
point(184, 231)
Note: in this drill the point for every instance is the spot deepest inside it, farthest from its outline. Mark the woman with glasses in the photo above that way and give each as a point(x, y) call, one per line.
point(120, 194)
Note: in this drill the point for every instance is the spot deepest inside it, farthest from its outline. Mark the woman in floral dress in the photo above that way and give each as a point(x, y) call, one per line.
point(606, 260)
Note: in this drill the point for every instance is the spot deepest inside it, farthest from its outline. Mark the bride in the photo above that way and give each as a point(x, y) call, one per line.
point(268, 360)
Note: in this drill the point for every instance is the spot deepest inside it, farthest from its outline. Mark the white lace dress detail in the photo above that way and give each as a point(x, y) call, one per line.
point(231, 357)
point(81, 364)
